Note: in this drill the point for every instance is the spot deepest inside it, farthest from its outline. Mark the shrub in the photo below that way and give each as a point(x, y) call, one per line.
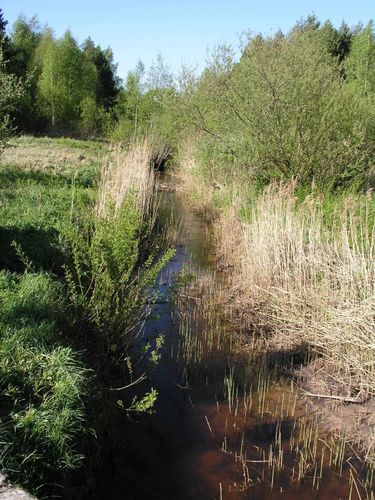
point(110, 273)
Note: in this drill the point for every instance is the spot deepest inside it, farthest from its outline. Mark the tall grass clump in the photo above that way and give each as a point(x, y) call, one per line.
point(304, 273)
point(113, 264)
point(44, 385)
point(126, 173)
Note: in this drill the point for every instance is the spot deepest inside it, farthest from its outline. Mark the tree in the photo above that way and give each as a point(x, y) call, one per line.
point(25, 37)
point(344, 41)
point(128, 103)
point(67, 77)
point(3, 25)
point(360, 64)
point(91, 117)
point(145, 107)
point(159, 75)
point(280, 112)
point(11, 90)
point(108, 83)
point(338, 42)
point(310, 23)
point(4, 39)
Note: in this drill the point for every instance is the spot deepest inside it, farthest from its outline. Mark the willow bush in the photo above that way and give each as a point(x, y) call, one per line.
point(283, 111)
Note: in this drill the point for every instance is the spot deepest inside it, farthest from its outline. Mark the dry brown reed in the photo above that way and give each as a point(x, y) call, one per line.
point(198, 192)
point(307, 281)
point(127, 172)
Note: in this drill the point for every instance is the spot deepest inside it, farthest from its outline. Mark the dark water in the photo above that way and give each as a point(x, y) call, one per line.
point(224, 426)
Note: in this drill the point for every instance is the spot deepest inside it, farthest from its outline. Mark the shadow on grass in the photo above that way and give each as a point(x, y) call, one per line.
point(10, 175)
point(40, 247)
point(85, 176)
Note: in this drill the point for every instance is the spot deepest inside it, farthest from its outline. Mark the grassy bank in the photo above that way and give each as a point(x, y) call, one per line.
point(76, 226)
point(300, 263)
point(281, 156)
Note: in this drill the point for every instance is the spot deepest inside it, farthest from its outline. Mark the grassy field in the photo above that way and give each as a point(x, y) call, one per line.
point(72, 243)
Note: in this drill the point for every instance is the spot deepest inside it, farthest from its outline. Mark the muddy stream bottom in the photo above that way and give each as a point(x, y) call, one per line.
point(229, 421)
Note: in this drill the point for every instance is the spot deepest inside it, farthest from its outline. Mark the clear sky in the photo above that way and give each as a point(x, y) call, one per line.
point(180, 30)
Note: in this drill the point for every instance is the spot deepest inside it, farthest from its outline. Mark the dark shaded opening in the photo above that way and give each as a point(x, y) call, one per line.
point(160, 164)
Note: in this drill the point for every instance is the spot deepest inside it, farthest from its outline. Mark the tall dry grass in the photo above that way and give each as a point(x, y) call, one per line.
point(303, 280)
point(193, 182)
point(127, 172)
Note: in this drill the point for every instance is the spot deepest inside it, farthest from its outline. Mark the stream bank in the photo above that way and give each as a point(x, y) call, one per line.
point(229, 421)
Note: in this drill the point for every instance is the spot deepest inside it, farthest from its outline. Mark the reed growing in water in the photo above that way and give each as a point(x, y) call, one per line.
point(309, 277)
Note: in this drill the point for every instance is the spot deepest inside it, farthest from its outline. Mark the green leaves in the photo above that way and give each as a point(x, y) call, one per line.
point(285, 110)
point(67, 77)
point(11, 91)
point(146, 403)
point(360, 64)
point(107, 280)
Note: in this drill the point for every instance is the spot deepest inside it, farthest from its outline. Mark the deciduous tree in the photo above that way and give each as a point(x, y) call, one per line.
point(67, 77)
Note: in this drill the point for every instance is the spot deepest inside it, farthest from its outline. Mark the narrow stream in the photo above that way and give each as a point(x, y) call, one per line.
point(228, 422)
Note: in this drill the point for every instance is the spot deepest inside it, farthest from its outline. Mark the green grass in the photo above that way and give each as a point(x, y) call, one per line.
point(43, 378)
point(59, 142)
point(35, 206)
point(72, 285)
point(43, 383)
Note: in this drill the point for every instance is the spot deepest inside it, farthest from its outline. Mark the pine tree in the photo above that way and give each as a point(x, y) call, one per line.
point(4, 39)
point(3, 25)
point(108, 83)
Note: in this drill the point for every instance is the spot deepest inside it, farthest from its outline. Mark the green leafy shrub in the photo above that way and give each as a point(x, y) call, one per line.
point(107, 281)
point(288, 109)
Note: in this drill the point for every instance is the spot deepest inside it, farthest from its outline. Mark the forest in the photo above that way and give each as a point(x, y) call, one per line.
point(272, 146)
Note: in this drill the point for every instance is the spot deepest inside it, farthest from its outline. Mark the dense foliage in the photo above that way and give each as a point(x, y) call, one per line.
point(75, 91)
point(296, 105)
point(299, 105)
point(70, 88)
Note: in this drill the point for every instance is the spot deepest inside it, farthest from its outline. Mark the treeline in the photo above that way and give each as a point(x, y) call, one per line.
point(74, 90)
point(68, 89)
point(294, 106)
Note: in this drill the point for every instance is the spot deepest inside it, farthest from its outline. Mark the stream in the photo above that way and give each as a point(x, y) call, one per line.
point(229, 422)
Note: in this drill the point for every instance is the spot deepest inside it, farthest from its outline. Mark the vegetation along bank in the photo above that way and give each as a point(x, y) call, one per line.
point(273, 145)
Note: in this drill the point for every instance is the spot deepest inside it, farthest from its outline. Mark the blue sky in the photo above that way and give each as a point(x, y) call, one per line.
point(180, 30)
